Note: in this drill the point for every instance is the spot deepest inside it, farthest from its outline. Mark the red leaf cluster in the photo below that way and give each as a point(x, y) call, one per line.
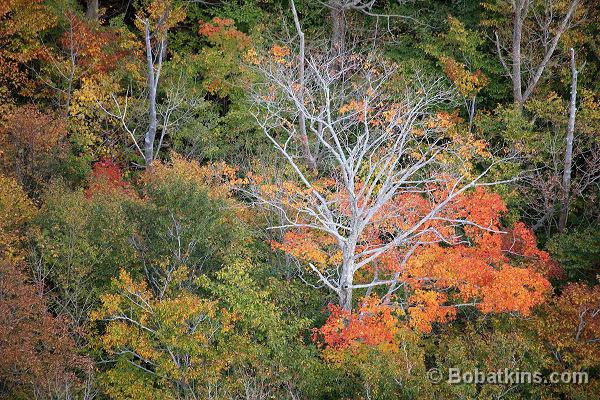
point(107, 178)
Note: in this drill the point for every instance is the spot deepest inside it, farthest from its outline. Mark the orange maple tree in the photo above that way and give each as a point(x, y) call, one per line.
point(464, 258)
point(372, 324)
point(222, 61)
point(32, 142)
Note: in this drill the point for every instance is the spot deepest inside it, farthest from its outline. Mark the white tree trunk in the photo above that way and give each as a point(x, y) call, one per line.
point(346, 281)
point(153, 78)
point(566, 181)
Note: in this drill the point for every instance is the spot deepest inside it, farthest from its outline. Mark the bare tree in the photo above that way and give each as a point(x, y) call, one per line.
point(310, 160)
point(178, 104)
point(566, 181)
point(154, 61)
point(338, 9)
point(155, 55)
point(376, 144)
point(566, 171)
point(541, 33)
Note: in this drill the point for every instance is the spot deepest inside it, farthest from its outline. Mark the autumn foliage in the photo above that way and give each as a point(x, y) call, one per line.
point(481, 265)
point(21, 21)
point(107, 179)
point(570, 324)
point(93, 49)
point(372, 324)
point(16, 210)
point(33, 141)
point(223, 59)
point(301, 200)
point(37, 352)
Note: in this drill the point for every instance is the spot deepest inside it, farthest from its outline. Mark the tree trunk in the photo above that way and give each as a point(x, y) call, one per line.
point(516, 52)
point(472, 113)
point(153, 77)
point(308, 156)
point(521, 8)
point(92, 10)
point(564, 25)
point(566, 181)
point(338, 31)
point(346, 281)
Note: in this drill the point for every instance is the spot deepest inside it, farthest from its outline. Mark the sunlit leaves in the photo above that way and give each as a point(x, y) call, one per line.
point(16, 209)
point(21, 23)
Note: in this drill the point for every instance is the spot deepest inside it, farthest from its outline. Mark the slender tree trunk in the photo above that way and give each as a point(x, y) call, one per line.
point(472, 113)
point(338, 31)
point(153, 77)
point(92, 10)
point(518, 18)
point(566, 181)
point(521, 8)
point(564, 25)
point(308, 156)
point(72, 61)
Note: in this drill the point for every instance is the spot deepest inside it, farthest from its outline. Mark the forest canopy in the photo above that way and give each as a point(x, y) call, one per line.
point(299, 199)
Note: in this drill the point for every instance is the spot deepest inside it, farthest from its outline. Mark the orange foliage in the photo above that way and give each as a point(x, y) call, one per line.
point(521, 241)
point(37, 353)
point(279, 53)
point(223, 59)
point(464, 258)
point(96, 50)
point(443, 120)
point(215, 26)
point(163, 14)
point(469, 84)
point(21, 22)
point(220, 29)
point(310, 246)
point(356, 107)
point(570, 325)
point(426, 307)
point(373, 324)
point(219, 178)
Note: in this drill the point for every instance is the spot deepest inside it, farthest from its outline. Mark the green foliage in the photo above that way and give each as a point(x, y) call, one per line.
point(507, 124)
point(178, 223)
point(467, 47)
point(578, 252)
point(229, 341)
point(81, 243)
point(487, 346)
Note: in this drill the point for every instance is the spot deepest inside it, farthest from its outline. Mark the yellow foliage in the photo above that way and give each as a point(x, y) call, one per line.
point(16, 209)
